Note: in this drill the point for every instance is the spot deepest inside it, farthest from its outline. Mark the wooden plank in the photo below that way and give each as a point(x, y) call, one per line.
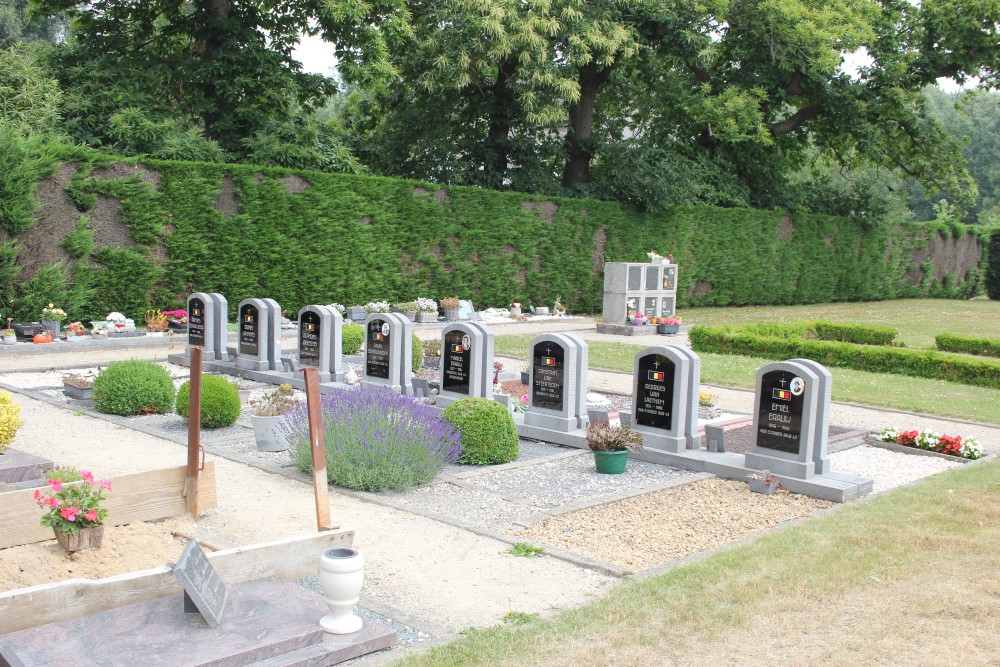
point(145, 496)
point(292, 558)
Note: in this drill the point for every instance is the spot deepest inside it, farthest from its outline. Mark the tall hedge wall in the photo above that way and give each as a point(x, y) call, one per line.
point(312, 237)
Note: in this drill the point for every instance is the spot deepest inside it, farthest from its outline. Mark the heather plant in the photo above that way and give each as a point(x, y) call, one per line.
point(376, 439)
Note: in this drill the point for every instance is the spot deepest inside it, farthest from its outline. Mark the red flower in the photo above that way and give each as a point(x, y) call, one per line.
point(908, 438)
point(92, 515)
point(88, 476)
point(56, 485)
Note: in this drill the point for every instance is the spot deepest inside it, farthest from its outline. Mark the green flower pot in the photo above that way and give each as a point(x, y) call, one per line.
point(611, 463)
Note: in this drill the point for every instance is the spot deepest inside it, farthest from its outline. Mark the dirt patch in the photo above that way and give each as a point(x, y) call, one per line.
point(787, 228)
point(546, 210)
point(294, 184)
point(227, 201)
point(655, 528)
point(126, 170)
point(420, 192)
point(441, 197)
point(700, 287)
point(109, 226)
point(56, 218)
point(137, 546)
point(600, 243)
point(365, 220)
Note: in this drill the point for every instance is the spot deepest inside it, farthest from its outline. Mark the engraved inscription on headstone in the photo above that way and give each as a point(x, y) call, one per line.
point(669, 277)
point(779, 417)
point(310, 330)
point(204, 589)
point(457, 359)
point(196, 322)
point(548, 383)
point(649, 310)
point(249, 330)
point(377, 349)
point(655, 386)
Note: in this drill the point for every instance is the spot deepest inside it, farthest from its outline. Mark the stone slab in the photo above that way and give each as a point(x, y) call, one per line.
point(270, 622)
point(626, 329)
point(16, 466)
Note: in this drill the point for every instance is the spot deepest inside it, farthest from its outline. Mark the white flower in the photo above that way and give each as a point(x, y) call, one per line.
point(427, 305)
point(340, 309)
point(115, 316)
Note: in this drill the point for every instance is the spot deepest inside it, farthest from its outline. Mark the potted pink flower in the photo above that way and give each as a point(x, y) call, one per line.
point(75, 511)
point(669, 325)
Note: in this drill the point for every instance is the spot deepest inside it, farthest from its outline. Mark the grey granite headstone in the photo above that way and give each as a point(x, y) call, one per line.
point(822, 438)
point(382, 350)
point(220, 330)
point(786, 407)
point(649, 288)
point(253, 334)
point(404, 371)
point(694, 387)
point(321, 341)
point(204, 590)
point(558, 383)
point(274, 335)
point(462, 349)
point(488, 357)
point(206, 316)
point(660, 397)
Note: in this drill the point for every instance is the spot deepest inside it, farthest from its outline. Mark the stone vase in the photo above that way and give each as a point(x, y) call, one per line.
point(427, 317)
point(85, 538)
point(542, 310)
point(9, 340)
point(341, 575)
point(52, 325)
point(451, 313)
point(410, 315)
point(79, 393)
point(760, 486)
point(668, 329)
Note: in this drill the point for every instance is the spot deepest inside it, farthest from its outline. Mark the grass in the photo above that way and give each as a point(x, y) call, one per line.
point(917, 320)
point(905, 576)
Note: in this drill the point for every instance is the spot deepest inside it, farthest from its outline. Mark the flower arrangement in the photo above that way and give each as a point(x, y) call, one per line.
point(118, 322)
point(672, 320)
point(407, 307)
point(516, 304)
point(72, 507)
point(521, 405)
point(53, 314)
point(497, 367)
point(427, 305)
point(707, 398)
point(377, 307)
point(179, 316)
point(76, 329)
point(9, 331)
point(603, 437)
point(339, 307)
point(954, 445)
point(275, 403)
point(449, 302)
point(155, 320)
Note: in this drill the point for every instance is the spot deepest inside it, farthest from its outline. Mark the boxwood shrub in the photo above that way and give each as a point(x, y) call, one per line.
point(220, 401)
point(418, 353)
point(352, 336)
point(488, 431)
point(986, 347)
point(861, 334)
point(134, 387)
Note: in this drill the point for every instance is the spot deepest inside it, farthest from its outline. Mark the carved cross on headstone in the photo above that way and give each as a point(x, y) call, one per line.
point(204, 590)
point(783, 382)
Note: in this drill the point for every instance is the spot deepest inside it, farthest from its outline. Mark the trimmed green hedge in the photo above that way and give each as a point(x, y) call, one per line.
point(861, 334)
point(986, 347)
point(993, 264)
point(310, 237)
point(915, 363)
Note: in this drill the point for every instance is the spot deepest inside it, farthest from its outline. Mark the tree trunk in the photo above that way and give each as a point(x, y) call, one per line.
point(216, 11)
point(501, 114)
point(581, 125)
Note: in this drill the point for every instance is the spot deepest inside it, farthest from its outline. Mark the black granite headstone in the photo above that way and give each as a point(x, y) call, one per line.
point(196, 322)
point(377, 349)
point(655, 386)
point(650, 307)
point(249, 330)
point(310, 330)
point(204, 590)
point(457, 358)
point(548, 382)
point(779, 419)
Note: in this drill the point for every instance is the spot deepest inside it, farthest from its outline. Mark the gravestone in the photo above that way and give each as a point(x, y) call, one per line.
point(204, 590)
point(691, 433)
point(321, 341)
point(207, 325)
point(488, 357)
point(558, 383)
point(661, 398)
point(274, 335)
point(647, 288)
point(463, 364)
point(786, 408)
point(383, 334)
point(404, 370)
point(821, 440)
point(253, 334)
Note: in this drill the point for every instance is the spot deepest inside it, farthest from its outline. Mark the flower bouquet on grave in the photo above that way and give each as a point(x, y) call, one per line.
point(156, 321)
point(118, 323)
point(53, 314)
point(75, 331)
point(765, 482)
point(177, 320)
point(75, 511)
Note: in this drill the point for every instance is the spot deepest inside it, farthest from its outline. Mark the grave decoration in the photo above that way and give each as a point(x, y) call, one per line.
point(207, 328)
point(558, 383)
point(661, 397)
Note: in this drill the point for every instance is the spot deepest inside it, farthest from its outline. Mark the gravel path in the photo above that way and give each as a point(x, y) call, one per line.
point(888, 469)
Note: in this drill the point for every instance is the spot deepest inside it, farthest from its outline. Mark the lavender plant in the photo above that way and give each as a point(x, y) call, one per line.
point(376, 439)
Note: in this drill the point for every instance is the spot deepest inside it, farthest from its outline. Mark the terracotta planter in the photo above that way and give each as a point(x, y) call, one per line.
point(85, 538)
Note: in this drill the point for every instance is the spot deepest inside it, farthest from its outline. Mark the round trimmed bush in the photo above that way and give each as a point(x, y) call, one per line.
point(418, 353)
point(134, 388)
point(352, 336)
point(220, 401)
point(488, 431)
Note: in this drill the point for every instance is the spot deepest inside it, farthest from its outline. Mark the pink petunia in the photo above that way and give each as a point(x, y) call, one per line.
point(88, 476)
point(92, 515)
point(38, 494)
point(52, 502)
point(56, 485)
point(106, 484)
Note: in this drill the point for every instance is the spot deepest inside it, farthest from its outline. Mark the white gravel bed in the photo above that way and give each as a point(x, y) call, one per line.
point(573, 480)
point(886, 468)
point(465, 504)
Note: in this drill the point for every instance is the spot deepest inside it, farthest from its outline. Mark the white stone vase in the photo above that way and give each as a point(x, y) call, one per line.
point(341, 574)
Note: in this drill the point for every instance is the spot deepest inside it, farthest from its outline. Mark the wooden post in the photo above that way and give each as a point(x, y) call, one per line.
point(318, 446)
point(194, 433)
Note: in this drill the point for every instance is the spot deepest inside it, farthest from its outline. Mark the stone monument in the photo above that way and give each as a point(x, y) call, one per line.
point(661, 399)
point(786, 408)
point(321, 341)
point(558, 383)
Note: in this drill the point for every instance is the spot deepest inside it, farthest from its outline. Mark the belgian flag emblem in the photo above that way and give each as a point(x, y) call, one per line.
point(457, 349)
point(310, 327)
point(548, 361)
point(656, 376)
point(782, 394)
point(377, 336)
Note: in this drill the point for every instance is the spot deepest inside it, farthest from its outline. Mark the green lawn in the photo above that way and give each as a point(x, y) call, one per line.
point(935, 397)
point(917, 320)
point(910, 577)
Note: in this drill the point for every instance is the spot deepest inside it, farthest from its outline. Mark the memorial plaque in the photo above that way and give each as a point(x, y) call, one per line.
point(655, 392)
point(667, 306)
point(779, 417)
point(634, 278)
point(548, 381)
point(670, 278)
point(196, 322)
point(650, 308)
point(204, 589)
point(652, 278)
point(310, 330)
point(377, 349)
point(249, 330)
point(457, 354)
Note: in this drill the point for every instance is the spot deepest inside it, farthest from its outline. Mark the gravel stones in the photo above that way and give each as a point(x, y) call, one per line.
point(888, 469)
